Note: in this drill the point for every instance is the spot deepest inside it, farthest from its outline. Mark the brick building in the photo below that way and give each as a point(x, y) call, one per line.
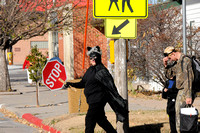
point(22, 48)
point(68, 47)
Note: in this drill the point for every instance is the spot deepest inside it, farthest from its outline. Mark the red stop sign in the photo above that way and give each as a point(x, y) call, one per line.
point(52, 72)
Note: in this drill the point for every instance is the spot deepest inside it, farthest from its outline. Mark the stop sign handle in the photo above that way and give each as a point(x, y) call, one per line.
point(61, 80)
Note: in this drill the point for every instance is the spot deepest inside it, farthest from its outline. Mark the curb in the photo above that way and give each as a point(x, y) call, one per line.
point(38, 122)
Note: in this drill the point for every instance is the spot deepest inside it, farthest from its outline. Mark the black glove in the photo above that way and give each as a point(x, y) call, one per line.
point(67, 84)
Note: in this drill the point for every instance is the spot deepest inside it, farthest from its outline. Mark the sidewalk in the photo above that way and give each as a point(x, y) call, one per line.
point(23, 101)
point(51, 103)
point(55, 103)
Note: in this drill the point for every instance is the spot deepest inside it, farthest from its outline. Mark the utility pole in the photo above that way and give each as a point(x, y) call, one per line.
point(68, 48)
point(184, 27)
point(121, 78)
point(55, 43)
point(53, 37)
point(191, 28)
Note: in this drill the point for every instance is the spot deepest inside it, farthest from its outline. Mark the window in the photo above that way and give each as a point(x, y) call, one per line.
point(40, 44)
point(17, 49)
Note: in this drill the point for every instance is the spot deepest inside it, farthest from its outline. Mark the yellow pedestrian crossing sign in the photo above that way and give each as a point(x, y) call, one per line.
point(120, 9)
point(121, 28)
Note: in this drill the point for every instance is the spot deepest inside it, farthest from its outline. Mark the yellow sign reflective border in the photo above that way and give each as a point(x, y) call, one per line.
point(121, 28)
point(120, 9)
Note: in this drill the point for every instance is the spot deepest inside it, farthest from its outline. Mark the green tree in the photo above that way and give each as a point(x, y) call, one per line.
point(37, 61)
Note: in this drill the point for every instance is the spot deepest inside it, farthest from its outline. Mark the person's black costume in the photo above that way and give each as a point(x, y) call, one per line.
point(100, 89)
point(170, 95)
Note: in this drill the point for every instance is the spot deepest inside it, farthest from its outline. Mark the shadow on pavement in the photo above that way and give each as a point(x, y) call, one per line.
point(149, 128)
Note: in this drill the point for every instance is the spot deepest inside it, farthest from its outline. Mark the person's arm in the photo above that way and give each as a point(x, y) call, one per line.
point(80, 84)
point(170, 68)
point(188, 79)
point(164, 93)
point(165, 90)
point(165, 60)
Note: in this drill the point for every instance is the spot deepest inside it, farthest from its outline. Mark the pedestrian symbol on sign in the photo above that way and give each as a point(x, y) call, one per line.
point(111, 1)
point(123, 5)
point(128, 3)
point(105, 9)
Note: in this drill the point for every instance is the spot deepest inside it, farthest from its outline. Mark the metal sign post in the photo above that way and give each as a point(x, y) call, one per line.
point(184, 27)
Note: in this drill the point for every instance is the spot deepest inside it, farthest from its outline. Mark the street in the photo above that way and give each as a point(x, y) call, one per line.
point(7, 125)
point(17, 74)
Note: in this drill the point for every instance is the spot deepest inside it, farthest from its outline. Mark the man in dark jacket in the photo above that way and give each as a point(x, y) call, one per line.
point(100, 89)
point(170, 92)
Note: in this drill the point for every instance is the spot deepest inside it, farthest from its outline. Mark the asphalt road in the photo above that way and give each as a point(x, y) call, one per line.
point(7, 125)
point(17, 75)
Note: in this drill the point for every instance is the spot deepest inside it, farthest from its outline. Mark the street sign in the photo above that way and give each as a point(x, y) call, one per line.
point(120, 9)
point(52, 72)
point(121, 28)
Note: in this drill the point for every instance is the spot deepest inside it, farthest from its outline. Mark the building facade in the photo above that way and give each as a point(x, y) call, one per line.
point(70, 46)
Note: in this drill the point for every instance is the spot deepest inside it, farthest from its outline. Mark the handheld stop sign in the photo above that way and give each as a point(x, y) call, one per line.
point(54, 75)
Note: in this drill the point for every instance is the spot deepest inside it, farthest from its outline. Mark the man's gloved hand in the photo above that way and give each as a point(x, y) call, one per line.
point(67, 84)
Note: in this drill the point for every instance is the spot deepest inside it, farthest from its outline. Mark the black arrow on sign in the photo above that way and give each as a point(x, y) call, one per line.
point(116, 30)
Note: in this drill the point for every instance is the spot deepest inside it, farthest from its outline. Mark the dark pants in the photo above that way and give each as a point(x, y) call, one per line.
point(96, 114)
point(172, 122)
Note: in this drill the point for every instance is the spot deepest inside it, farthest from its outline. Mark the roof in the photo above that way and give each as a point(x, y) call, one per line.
point(41, 5)
point(167, 5)
point(81, 3)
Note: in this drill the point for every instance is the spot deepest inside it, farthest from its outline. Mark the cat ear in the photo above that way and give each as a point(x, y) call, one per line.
point(89, 48)
point(98, 48)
